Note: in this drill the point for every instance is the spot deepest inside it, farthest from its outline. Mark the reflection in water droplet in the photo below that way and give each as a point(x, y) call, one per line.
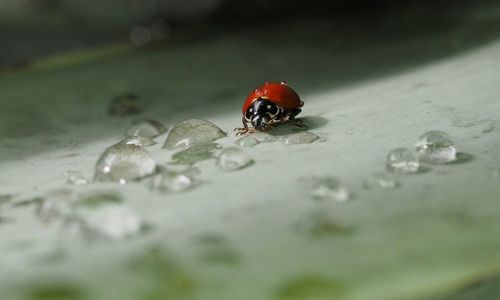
point(299, 138)
point(124, 162)
point(381, 180)
point(146, 128)
point(310, 287)
point(75, 178)
point(255, 138)
point(142, 141)
point(402, 160)
point(174, 181)
point(318, 224)
point(436, 147)
point(328, 188)
point(192, 132)
point(125, 105)
point(195, 154)
point(231, 159)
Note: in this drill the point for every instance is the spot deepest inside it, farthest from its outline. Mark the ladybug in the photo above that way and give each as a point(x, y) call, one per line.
point(272, 103)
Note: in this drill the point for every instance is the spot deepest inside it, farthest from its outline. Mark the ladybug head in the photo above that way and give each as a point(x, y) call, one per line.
point(263, 112)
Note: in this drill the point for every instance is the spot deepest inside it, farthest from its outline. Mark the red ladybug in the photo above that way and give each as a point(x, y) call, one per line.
point(272, 103)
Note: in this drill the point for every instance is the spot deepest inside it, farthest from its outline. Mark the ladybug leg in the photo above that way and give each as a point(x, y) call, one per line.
point(245, 129)
point(299, 124)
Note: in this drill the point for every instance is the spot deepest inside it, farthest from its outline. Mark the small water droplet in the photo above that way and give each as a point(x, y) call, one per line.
point(299, 138)
point(124, 162)
point(328, 188)
point(55, 205)
point(436, 147)
point(146, 128)
point(232, 159)
point(166, 180)
point(75, 178)
point(488, 128)
point(125, 105)
point(381, 180)
point(402, 160)
point(319, 224)
point(255, 138)
point(192, 132)
point(195, 154)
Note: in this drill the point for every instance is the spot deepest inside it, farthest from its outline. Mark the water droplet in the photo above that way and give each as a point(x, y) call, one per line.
point(310, 287)
point(255, 138)
point(124, 162)
point(231, 159)
point(436, 147)
point(146, 128)
point(174, 181)
point(195, 154)
point(110, 221)
point(192, 132)
point(328, 188)
point(299, 138)
point(142, 141)
point(381, 180)
point(488, 128)
point(319, 224)
point(402, 160)
point(55, 205)
point(125, 105)
point(75, 178)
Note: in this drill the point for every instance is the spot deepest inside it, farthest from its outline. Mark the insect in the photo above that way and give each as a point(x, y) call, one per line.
point(270, 104)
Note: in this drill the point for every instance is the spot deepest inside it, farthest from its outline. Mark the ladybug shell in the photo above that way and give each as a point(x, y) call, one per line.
point(278, 93)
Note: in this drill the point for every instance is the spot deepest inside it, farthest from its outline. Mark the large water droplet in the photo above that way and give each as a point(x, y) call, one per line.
point(231, 159)
point(299, 138)
point(146, 128)
point(436, 147)
point(402, 160)
point(382, 181)
point(195, 154)
point(75, 178)
point(328, 188)
point(125, 105)
point(192, 132)
point(124, 162)
point(255, 138)
point(174, 181)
